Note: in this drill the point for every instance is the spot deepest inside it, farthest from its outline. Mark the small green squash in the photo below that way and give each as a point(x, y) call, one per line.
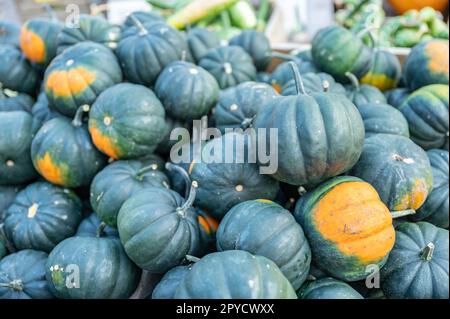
point(396, 97)
point(200, 41)
point(187, 91)
point(63, 152)
point(417, 267)
point(336, 51)
point(16, 72)
point(427, 113)
point(314, 83)
point(78, 75)
point(229, 65)
point(41, 216)
point(22, 276)
point(13, 101)
point(383, 119)
point(16, 134)
point(118, 181)
point(385, 71)
point(7, 196)
point(257, 45)
point(38, 40)
point(170, 282)
point(427, 64)
point(398, 169)
point(363, 94)
point(143, 17)
point(127, 121)
point(89, 29)
point(322, 131)
point(435, 210)
point(270, 231)
point(9, 33)
point(90, 225)
point(327, 288)
point(146, 49)
point(237, 106)
point(235, 274)
point(104, 270)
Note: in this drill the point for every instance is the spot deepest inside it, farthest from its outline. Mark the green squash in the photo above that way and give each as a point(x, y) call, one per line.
point(398, 169)
point(187, 91)
point(158, 228)
point(283, 72)
point(341, 218)
point(13, 101)
point(7, 196)
point(41, 111)
point(63, 152)
point(200, 41)
point(90, 225)
point(427, 113)
point(314, 83)
point(319, 135)
point(22, 276)
point(16, 134)
point(104, 270)
point(169, 283)
point(78, 75)
point(38, 40)
point(145, 50)
point(336, 51)
point(229, 65)
point(257, 45)
point(41, 216)
point(396, 97)
point(225, 182)
point(363, 94)
point(385, 71)
point(127, 121)
point(9, 33)
point(89, 29)
point(327, 288)
point(383, 119)
point(264, 228)
point(16, 72)
point(417, 267)
point(120, 180)
point(427, 64)
point(237, 106)
point(143, 17)
point(235, 274)
point(435, 210)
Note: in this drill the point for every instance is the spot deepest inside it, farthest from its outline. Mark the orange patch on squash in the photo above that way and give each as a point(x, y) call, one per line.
point(438, 52)
point(49, 170)
point(71, 82)
point(191, 167)
point(277, 87)
point(103, 142)
point(32, 46)
point(416, 198)
point(353, 217)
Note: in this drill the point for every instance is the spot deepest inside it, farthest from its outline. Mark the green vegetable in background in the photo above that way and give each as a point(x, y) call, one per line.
point(243, 15)
point(439, 29)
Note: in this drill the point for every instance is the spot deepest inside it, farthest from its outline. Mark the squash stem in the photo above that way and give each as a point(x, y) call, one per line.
point(140, 173)
point(353, 79)
point(192, 259)
point(78, 119)
point(192, 194)
point(298, 79)
point(180, 170)
point(50, 12)
point(100, 229)
point(427, 253)
point(15, 285)
point(247, 122)
point(143, 30)
point(402, 213)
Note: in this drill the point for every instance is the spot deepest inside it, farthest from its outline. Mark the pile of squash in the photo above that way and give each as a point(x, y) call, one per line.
point(91, 205)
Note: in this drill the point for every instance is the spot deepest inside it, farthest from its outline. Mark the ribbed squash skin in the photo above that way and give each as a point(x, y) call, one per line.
point(16, 72)
point(385, 71)
point(90, 225)
point(127, 121)
point(216, 276)
point(9, 33)
point(91, 28)
point(16, 134)
point(270, 231)
point(314, 83)
point(116, 279)
point(383, 119)
point(407, 275)
point(336, 51)
point(41, 111)
point(435, 210)
point(427, 113)
point(87, 69)
point(396, 97)
point(27, 267)
point(20, 102)
point(200, 41)
point(34, 221)
point(229, 65)
point(398, 169)
point(341, 251)
point(427, 64)
point(143, 17)
point(170, 282)
point(241, 103)
point(257, 45)
point(364, 94)
point(143, 55)
point(38, 40)
point(327, 288)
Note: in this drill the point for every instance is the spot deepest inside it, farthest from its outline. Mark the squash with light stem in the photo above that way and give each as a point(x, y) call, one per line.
point(385, 71)
point(363, 94)
point(89, 227)
point(327, 288)
point(314, 83)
